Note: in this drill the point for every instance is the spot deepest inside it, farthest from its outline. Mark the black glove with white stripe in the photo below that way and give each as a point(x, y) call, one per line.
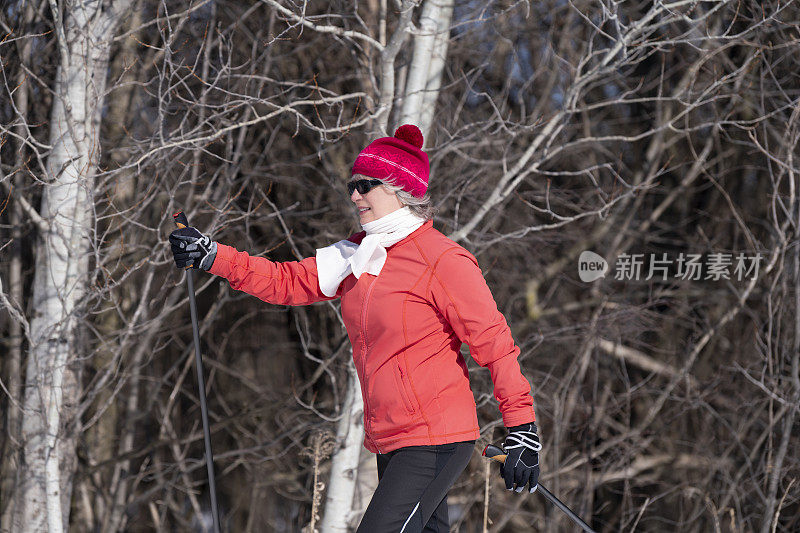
point(192, 248)
point(522, 463)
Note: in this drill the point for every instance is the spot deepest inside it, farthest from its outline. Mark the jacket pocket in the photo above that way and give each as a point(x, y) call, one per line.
point(404, 388)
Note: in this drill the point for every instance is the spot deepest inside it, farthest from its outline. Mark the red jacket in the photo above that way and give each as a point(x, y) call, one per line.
point(406, 326)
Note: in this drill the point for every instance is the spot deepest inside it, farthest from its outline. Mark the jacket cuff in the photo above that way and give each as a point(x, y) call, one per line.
point(224, 255)
point(517, 417)
point(525, 427)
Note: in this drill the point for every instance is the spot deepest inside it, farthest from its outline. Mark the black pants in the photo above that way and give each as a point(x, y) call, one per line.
point(412, 488)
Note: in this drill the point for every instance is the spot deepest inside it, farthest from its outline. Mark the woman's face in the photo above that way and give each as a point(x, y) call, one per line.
point(376, 203)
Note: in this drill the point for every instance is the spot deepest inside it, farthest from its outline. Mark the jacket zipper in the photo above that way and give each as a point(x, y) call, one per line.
point(364, 358)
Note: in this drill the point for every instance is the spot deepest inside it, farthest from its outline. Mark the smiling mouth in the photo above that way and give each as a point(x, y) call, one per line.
point(363, 210)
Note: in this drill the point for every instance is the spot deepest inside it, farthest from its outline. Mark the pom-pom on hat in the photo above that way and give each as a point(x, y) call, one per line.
point(398, 160)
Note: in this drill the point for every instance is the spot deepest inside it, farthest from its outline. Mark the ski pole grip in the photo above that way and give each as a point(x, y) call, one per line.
point(182, 222)
point(495, 453)
point(180, 219)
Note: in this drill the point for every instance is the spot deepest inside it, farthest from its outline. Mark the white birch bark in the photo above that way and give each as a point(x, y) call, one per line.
point(344, 463)
point(62, 254)
point(387, 79)
point(442, 18)
point(425, 73)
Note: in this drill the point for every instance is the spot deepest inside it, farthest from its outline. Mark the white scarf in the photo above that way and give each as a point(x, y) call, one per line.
point(339, 260)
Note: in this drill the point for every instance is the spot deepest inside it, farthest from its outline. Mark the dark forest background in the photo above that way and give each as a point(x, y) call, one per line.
point(558, 126)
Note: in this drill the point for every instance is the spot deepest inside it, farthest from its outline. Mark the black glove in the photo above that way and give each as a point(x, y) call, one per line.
point(522, 463)
point(190, 247)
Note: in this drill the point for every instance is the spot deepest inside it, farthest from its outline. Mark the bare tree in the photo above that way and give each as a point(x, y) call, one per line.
point(630, 129)
point(83, 31)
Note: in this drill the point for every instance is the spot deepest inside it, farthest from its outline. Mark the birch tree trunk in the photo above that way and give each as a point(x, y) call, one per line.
point(344, 464)
point(425, 74)
point(52, 382)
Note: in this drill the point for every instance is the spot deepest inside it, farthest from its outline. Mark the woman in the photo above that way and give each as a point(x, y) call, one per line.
point(410, 297)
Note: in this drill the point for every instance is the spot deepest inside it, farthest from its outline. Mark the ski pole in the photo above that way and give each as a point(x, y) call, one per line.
point(182, 222)
point(497, 454)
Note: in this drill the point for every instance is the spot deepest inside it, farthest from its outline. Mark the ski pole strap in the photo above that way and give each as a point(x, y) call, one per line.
point(522, 439)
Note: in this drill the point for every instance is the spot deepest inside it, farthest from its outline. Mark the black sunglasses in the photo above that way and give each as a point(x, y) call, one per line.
point(363, 186)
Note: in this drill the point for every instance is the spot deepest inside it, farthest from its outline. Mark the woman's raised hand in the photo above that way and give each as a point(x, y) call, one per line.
point(190, 248)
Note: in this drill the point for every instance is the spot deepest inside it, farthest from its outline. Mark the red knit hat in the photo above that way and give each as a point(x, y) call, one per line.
point(398, 160)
